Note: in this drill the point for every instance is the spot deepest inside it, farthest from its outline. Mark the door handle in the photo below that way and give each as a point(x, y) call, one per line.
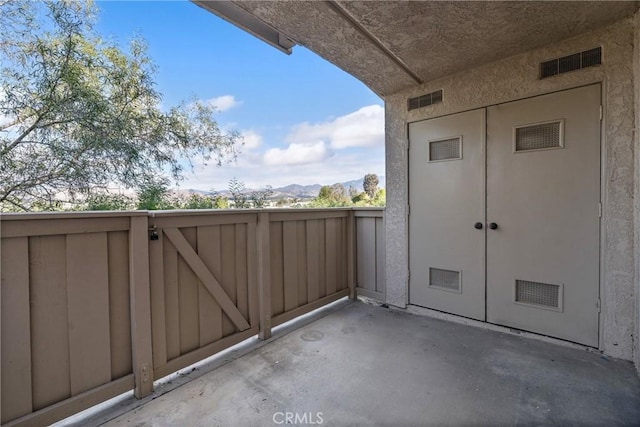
point(478, 225)
point(493, 226)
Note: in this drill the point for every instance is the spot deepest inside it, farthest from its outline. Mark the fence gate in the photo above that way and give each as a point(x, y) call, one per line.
point(203, 286)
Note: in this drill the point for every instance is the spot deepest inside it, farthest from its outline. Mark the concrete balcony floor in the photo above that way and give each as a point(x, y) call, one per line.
point(368, 365)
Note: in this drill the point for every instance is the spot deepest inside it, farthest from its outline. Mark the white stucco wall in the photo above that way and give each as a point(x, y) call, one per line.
point(515, 78)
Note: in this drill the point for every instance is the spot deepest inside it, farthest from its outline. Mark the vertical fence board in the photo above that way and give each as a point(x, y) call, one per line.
point(49, 326)
point(340, 253)
point(16, 328)
point(228, 279)
point(350, 229)
point(277, 279)
point(331, 255)
point(343, 257)
point(140, 307)
point(171, 299)
point(119, 312)
point(290, 264)
point(242, 270)
point(88, 302)
point(188, 297)
point(301, 233)
point(380, 258)
point(252, 273)
point(263, 276)
point(209, 310)
point(313, 266)
point(322, 258)
point(158, 309)
point(366, 253)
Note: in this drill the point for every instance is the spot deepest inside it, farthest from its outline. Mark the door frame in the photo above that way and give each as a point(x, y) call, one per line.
point(603, 196)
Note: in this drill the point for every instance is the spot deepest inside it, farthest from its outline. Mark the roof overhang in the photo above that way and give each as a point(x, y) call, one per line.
point(394, 45)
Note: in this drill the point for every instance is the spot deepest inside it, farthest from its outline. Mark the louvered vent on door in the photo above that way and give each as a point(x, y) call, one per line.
point(445, 149)
point(448, 280)
point(539, 136)
point(544, 295)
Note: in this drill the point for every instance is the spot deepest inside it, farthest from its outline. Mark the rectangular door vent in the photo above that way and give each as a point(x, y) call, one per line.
point(543, 295)
point(542, 136)
point(448, 280)
point(425, 100)
point(445, 149)
point(576, 61)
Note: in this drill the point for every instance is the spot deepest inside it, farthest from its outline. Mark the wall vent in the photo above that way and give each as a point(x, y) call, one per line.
point(425, 100)
point(447, 280)
point(542, 295)
point(577, 61)
point(445, 149)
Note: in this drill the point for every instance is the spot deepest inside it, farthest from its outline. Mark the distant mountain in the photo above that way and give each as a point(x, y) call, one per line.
point(310, 191)
point(298, 191)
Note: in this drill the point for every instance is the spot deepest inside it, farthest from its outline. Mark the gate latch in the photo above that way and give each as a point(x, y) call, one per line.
point(153, 233)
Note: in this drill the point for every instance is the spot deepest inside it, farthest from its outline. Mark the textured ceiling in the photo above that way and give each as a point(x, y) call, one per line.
point(393, 45)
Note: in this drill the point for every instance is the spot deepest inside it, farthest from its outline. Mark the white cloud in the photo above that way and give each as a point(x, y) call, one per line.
point(251, 139)
point(362, 128)
point(343, 166)
point(223, 103)
point(297, 154)
point(336, 150)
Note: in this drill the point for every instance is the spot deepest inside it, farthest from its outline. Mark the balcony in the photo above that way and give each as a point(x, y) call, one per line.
point(98, 304)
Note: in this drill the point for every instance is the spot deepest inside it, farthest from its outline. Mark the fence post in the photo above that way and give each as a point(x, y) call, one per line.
point(351, 254)
point(140, 295)
point(264, 275)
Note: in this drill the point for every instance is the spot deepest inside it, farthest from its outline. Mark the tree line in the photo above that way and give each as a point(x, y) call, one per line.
point(156, 195)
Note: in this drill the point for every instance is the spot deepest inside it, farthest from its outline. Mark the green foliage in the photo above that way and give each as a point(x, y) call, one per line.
point(336, 196)
point(78, 114)
point(331, 196)
point(154, 195)
point(370, 184)
point(108, 202)
point(239, 196)
point(197, 201)
point(360, 199)
point(260, 197)
point(380, 198)
point(221, 202)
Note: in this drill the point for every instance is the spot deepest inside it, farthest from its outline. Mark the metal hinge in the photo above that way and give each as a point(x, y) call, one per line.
point(408, 210)
point(598, 305)
point(599, 210)
point(601, 112)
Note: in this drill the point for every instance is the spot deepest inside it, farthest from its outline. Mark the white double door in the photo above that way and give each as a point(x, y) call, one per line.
point(504, 220)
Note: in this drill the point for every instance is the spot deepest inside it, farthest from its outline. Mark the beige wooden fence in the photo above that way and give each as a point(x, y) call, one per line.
point(370, 256)
point(96, 304)
point(309, 263)
point(66, 325)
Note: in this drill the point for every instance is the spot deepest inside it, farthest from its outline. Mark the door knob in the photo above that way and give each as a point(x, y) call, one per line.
point(478, 225)
point(493, 226)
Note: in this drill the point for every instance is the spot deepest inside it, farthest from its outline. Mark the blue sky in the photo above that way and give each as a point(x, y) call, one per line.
point(304, 120)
